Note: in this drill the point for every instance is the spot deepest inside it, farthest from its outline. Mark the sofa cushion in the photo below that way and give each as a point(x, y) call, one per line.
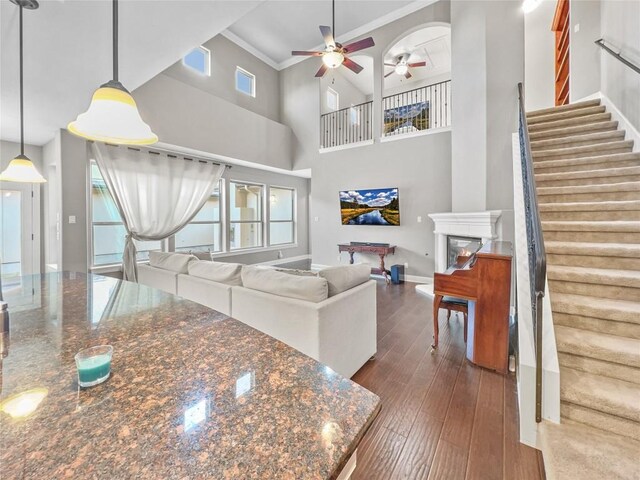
point(221, 272)
point(202, 255)
point(311, 289)
point(175, 262)
point(344, 277)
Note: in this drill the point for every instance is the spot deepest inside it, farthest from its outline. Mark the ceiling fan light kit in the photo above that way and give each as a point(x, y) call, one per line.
point(21, 168)
point(335, 54)
point(113, 115)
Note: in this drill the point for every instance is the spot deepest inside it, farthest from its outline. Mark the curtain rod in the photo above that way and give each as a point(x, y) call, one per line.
point(169, 154)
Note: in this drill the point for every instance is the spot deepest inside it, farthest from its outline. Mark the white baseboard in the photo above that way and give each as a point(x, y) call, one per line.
point(286, 260)
point(623, 123)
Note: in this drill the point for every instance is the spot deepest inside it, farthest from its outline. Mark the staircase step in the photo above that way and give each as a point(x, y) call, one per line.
point(590, 193)
point(573, 450)
point(624, 256)
point(596, 307)
point(599, 367)
point(574, 130)
point(600, 346)
point(588, 163)
point(601, 325)
point(569, 122)
point(578, 140)
point(606, 210)
point(565, 115)
point(597, 282)
point(564, 108)
point(582, 231)
point(609, 148)
point(603, 394)
point(600, 420)
point(588, 177)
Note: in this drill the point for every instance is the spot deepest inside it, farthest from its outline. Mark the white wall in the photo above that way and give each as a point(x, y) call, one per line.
point(539, 59)
point(348, 93)
point(621, 29)
point(584, 55)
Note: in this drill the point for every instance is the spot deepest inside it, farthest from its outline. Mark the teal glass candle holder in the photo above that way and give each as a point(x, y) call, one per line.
point(94, 365)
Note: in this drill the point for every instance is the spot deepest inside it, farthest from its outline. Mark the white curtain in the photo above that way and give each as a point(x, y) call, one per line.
point(157, 194)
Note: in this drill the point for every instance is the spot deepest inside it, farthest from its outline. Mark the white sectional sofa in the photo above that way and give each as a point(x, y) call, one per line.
point(330, 316)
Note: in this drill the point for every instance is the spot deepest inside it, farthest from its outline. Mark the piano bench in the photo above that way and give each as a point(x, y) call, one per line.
point(453, 304)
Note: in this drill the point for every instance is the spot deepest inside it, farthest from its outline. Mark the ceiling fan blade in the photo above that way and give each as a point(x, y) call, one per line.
point(323, 69)
point(390, 65)
point(407, 75)
point(327, 35)
point(359, 45)
point(390, 73)
point(418, 64)
point(303, 52)
point(351, 65)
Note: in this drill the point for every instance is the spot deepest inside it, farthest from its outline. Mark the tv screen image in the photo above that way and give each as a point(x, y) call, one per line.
point(378, 206)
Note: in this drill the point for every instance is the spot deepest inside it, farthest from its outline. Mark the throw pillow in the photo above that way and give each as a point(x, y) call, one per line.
point(175, 262)
point(344, 277)
point(221, 272)
point(312, 289)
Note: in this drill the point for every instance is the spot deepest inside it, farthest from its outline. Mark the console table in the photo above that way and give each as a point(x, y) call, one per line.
point(380, 250)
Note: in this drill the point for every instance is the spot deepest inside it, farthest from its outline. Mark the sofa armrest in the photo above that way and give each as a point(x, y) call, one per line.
point(159, 278)
point(205, 292)
point(339, 331)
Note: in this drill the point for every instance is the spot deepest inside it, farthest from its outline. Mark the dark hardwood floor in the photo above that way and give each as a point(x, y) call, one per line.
point(442, 417)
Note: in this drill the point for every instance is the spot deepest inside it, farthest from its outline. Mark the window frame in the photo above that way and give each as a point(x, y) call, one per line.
point(336, 95)
point(207, 61)
point(262, 221)
point(247, 74)
point(294, 216)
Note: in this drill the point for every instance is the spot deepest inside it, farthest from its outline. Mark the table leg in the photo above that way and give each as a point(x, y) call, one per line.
point(383, 269)
point(436, 308)
point(351, 258)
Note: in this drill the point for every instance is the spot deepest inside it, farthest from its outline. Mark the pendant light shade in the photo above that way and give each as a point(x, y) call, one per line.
point(21, 169)
point(113, 115)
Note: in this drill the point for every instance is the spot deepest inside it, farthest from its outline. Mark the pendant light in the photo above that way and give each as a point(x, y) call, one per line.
point(113, 116)
point(21, 169)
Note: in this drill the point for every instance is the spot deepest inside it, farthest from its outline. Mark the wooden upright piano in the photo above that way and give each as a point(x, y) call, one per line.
point(484, 280)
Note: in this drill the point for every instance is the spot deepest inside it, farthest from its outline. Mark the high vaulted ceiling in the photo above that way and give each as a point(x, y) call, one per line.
point(278, 26)
point(67, 46)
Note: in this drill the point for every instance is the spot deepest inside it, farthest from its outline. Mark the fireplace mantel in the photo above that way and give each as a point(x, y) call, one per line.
point(484, 225)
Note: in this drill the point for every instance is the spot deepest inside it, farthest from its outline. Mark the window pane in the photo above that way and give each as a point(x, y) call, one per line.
point(281, 232)
point(332, 99)
point(244, 82)
point(108, 245)
point(11, 237)
point(281, 202)
point(245, 202)
point(198, 59)
point(199, 237)
point(245, 235)
point(103, 207)
point(210, 212)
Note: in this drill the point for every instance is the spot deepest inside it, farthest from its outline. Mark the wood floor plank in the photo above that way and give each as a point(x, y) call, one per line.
point(486, 451)
point(442, 418)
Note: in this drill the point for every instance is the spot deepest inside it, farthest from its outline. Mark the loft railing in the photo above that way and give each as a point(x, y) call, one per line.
point(535, 244)
point(418, 109)
point(617, 55)
point(346, 126)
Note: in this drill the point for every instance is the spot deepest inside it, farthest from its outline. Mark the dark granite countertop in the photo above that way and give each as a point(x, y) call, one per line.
point(193, 393)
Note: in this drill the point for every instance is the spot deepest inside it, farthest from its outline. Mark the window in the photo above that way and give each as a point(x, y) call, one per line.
point(107, 230)
point(281, 215)
point(332, 99)
point(204, 232)
point(354, 113)
point(245, 82)
point(198, 59)
point(245, 215)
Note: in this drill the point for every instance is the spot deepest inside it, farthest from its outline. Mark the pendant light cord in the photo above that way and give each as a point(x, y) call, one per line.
point(333, 18)
point(21, 91)
point(115, 40)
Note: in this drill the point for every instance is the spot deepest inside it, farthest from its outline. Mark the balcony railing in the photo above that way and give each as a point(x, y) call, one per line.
point(346, 126)
point(417, 110)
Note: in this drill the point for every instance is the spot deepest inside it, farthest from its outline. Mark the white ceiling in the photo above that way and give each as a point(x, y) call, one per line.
point(67, 47)
point(431, 44)
point(276, 27)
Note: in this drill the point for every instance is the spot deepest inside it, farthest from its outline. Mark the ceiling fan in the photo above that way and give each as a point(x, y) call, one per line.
point(335, 54)
point(402, 66)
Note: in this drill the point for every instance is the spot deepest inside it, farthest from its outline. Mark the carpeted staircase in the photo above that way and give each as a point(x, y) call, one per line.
point(588, 185)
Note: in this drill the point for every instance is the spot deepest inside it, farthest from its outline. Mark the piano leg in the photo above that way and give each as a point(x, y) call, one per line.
point(436, 308)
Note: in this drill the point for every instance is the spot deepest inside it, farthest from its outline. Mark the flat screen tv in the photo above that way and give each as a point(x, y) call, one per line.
point(378, 206)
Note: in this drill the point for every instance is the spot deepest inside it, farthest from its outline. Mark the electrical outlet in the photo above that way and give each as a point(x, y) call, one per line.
point(576, 28)
point(406, 265)
point(316, 218)
point(280, 254)
point(419, 219)
point(72, 219)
